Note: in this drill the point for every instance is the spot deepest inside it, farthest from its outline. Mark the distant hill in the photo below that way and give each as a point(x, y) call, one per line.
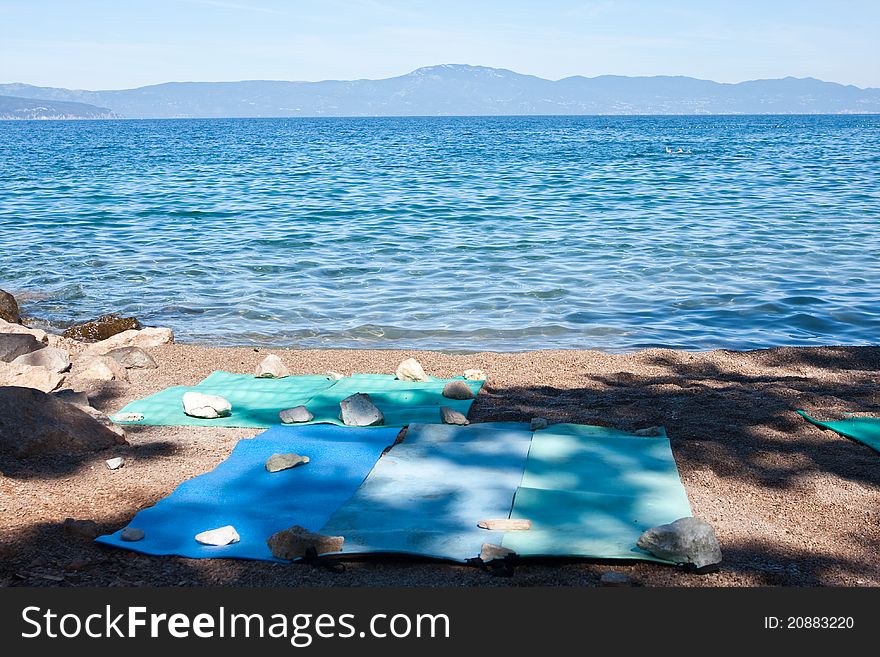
point(12, 107)
point(454, 89)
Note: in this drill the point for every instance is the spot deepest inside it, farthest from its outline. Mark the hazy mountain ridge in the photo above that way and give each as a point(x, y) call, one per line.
point(470, 90)
point(14, 107)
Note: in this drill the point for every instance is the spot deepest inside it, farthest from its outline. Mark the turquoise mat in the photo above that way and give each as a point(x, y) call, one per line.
point(592, 491)
point(426, 496)
point(257, 402)
point(865, 430)
point(240, 492)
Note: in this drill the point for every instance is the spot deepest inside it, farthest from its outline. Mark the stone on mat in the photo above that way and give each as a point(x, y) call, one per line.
point(219, 537)
point(358, 410)
point(84, 528)
point(132, 534)
point(296, 415)
point(15, 345)
point(72, 397)
point(490, 552)
point(612, 578)
point(411, 370)
point(451, 416)
point(458, 389)
point(9, 308)
point(115, 463)
point(537, 424)
point(35, 423)
point(26, 376)
point(475, 375)
point(128, 417)
point(133, 358)
point(335, 376)
point(53, 359)
point(271, 367)
point(278, 462)
point(687, 540)
point(296, 541)
point(505, 524)
point(649, 431)
point(145, 339)
point(106, 326)
point(198, 404)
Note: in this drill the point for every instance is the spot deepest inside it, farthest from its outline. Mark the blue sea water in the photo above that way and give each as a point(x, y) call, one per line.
point(452, 233)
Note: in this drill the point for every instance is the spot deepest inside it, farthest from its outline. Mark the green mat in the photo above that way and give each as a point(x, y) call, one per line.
point(865, 430)
point(591, 492)
point(256, 402)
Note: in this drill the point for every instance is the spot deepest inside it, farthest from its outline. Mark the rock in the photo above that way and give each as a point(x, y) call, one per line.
point(72, 397)
point(9, 308)
point(537, 424)
point(271, 367)
point(98, 368)
point(16, 345)
point(33, 422)
point(197, 404)
point(128, 417)
point(146, 338)
point(505, 524)
point(650, 431)
point(474, 375)
point(296, 415)
point(279, 462)
point(458, 389)
point(614, 579)
point(358, 410)
point(9, 327)
point(132, 358)
point(490, 552)
point(106, 326)
point(296, 541)
point(335, 376)
point(25, 376)
point(451, 416)
point(115, 463)
point(85, 528)
point(687, 540)
point(220, 536)
point(411, 370)
point(53, 359)
point(132, 534)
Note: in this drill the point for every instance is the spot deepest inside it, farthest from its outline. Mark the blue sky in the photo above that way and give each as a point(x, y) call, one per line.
point(104, 45)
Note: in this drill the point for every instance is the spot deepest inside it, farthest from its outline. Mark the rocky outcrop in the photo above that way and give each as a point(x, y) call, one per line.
point(271, 367)
point(198, 404)
point(53, 359)
point(146, 338)
point(104, 327)
point(36, 423)
point(458, 389)
point(25, 376)
point(411, 370)
point(16, 345)
point(133, 358)
point(685, 541)
point(358, 410)
point(297, 541)
point(9, 308)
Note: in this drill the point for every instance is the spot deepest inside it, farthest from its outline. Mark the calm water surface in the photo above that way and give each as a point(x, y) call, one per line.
point(452, 233)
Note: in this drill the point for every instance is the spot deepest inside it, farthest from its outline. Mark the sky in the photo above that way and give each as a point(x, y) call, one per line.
point(90, 44)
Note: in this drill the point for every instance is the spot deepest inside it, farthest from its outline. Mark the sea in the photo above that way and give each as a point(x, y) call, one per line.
point(451, 233)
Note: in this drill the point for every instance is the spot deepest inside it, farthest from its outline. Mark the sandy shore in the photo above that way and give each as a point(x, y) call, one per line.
point(791, 504)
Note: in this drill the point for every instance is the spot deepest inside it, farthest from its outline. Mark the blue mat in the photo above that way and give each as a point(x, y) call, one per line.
point(240, 492)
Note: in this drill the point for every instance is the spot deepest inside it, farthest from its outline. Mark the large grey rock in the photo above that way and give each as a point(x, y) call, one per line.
point(279, 462)
point(146, 338)
point(687, 540)
point(25, 376)
point(98, 368)
point(296, 415)
point(33, 422)
point(104, 327)
point(411, 370)
point(451, 416)
point(9, 308)
point(358, 410)
point(53, 359)
point(198, 404)
point(133, 358)
point(16, 345)
point(296, 541)
point(271, 367)
point(458, 389)
point(220, 536)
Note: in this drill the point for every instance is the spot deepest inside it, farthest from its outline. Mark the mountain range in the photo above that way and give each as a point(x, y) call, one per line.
point(449, 89)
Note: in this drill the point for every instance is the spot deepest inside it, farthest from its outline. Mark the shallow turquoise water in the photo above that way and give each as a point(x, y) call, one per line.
point(454, 233)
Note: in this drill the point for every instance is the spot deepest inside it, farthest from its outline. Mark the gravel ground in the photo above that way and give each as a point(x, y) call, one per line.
point(792, 505)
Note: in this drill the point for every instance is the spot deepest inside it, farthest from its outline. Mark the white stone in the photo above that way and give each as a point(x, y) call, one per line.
point(54, 360)
point(451, 416)
point(475, 375)
point(219, 537)
point(411, 370)
point(144, 338)
point(271, 367)
point(458, 389)
point(687, 540)
point(335, 376)
point(128, 417)
point(296, 415)
point(358, 410)
point(115, 463)
point(198, 404)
